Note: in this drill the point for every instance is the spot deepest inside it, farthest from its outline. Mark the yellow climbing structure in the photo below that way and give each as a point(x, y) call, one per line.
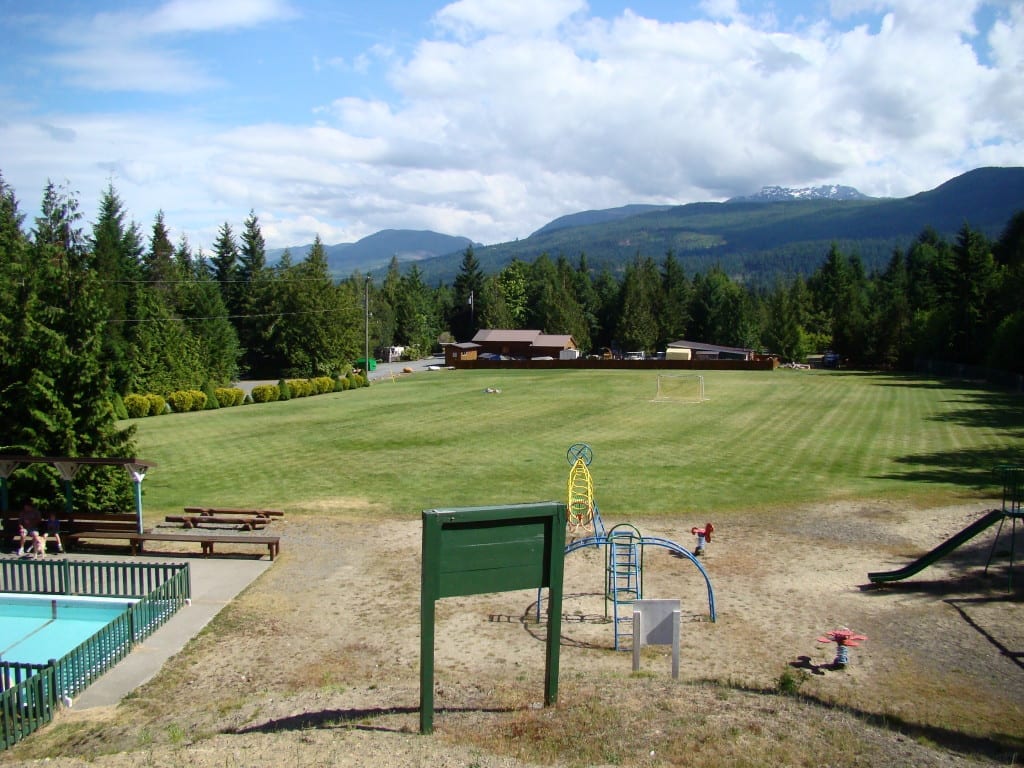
point(580, 497)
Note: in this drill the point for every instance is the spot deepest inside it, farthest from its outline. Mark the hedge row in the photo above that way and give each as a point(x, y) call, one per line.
point(137, 406)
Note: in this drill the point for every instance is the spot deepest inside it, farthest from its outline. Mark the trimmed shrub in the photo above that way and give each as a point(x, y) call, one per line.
point(157, 405)
point(323, 384)
point(136, 406)
point(228, 397)
point(198, 399)
point(346, 383)
point(338, 383)
point(354, 380)
point(300, 387)
point(284, 392)
point(180, 401)
point(212, 403)
point(265, 393)
point(118, 405)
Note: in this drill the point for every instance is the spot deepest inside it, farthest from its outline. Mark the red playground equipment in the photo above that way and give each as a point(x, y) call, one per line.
point(844, 639)
point(703, 537)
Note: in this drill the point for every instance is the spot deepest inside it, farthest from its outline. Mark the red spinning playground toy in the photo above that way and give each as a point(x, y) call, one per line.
point(703, 537)
point(844, 639)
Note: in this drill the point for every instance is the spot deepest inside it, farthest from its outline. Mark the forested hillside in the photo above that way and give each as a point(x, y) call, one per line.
point(754, 242)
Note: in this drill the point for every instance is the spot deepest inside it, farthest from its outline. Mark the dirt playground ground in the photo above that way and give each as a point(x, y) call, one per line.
point(317, 663)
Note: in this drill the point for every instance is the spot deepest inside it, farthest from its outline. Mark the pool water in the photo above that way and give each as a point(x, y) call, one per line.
point(37, 628)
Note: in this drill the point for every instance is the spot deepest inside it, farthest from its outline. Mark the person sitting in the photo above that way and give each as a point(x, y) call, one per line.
point(52, 531)
point(28, 529)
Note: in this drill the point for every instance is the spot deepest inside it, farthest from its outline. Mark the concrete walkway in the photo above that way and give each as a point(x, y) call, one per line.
point(215, 582)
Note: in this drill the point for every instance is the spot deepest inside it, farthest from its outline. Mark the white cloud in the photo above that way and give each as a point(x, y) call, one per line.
point(131, 50)
point(206, 16)
point(515, 113)
point(467, 18)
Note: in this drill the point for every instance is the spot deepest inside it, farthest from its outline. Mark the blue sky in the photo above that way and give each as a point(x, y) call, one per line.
point(489, 118)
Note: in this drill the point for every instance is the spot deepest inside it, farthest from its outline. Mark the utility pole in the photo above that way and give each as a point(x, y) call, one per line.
point(366, 350)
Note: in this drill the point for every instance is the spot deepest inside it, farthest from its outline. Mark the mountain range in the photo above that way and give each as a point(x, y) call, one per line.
point(776, 231)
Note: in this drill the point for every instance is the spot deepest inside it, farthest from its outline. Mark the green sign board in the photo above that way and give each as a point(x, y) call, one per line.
point(472, 550)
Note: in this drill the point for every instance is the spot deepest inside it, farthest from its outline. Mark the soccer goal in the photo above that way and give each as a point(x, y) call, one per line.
point(680, 388)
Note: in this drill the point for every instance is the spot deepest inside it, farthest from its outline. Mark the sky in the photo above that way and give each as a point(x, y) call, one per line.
point(489, 118)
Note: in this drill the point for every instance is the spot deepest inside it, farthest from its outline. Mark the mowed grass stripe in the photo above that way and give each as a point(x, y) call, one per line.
point(763, 439)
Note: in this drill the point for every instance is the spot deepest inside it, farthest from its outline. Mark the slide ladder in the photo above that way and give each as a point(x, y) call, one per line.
point(624, 569)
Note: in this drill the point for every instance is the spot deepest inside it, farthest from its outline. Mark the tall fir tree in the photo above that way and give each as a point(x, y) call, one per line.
point(56, 386)
point(468, 295)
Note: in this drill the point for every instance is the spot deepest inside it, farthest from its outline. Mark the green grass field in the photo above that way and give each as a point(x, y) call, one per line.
point(763, 440)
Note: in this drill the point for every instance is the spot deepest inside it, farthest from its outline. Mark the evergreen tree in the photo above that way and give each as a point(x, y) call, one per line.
point(638, 324)
point(609, 307)
point(56, 387)
point(226, 269)
point(972, 284)
point(468, 292)
point(116, 248)
point(512, 282)
point(255, 299)
point(316, 330)
point(159, 267)
point(589, 301)
point(674, 311)
point(494, 313)
point(417, 324)
point(1007, 348)
point(892, 314)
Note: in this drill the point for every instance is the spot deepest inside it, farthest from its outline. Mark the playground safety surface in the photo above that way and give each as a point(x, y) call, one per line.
point(317, 661)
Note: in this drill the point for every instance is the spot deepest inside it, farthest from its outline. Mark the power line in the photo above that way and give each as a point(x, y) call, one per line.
point(125, 321)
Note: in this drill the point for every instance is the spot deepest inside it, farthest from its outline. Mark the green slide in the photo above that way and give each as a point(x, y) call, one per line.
point(988, 519)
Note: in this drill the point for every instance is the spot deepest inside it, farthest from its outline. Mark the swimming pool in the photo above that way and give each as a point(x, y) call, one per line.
point(37, 628)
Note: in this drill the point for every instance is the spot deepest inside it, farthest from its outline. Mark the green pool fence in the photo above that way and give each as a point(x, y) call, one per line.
point(30, 693)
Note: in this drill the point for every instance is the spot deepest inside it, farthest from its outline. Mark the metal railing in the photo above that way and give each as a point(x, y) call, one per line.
point(29, 693)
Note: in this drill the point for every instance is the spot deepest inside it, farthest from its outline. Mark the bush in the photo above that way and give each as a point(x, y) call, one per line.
point(136, 406)
point(283, 390)
point(228, 397)
point(157, 405)
point(323, 384)
point(118, 405)
point(198, 399)
point(338, 383)
point(212, 402)
point(354, 380)
point(265, 393)
point(300, 387)
point(180, 401)
point(346, 385)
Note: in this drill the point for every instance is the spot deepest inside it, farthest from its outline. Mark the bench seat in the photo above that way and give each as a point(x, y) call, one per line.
point(195, 521)
point(233, 511)
point(206, 540)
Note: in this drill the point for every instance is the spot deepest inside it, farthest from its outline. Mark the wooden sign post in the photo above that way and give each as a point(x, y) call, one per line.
point(472, 550)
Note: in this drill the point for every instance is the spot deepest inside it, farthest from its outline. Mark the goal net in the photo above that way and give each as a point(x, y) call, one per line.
point(680, 388)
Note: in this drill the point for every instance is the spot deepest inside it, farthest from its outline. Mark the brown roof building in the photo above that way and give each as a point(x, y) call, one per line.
point(522, 344)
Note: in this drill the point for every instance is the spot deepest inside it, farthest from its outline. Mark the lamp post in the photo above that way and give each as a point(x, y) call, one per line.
point(366, 349)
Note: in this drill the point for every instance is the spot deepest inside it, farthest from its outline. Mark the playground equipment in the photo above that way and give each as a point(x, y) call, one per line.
point(703, 537)
point(1012, 478)
point(582, 512)
point(844, 639)
point(624, 548)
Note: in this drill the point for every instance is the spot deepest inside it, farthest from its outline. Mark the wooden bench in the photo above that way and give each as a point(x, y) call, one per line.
point(233, 511)
point(244, 523)
point(206, 540)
